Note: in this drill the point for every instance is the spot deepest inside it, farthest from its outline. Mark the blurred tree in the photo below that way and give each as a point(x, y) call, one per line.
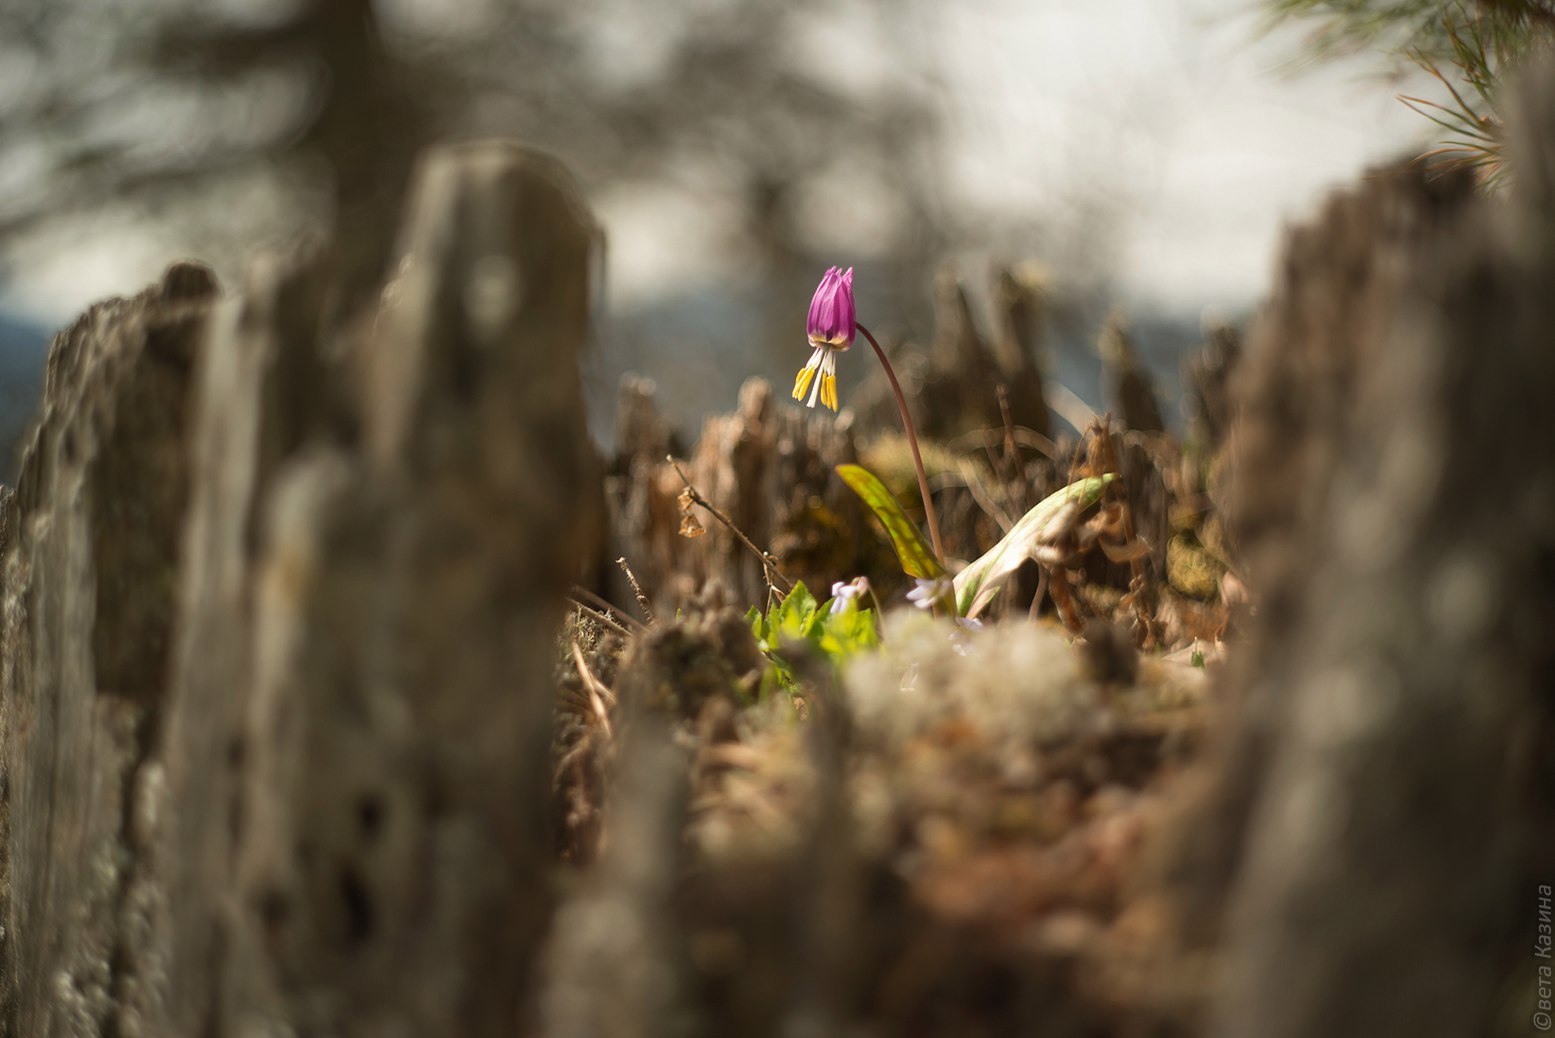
point(240, 121)
point(192, 113)
point(1466, 45)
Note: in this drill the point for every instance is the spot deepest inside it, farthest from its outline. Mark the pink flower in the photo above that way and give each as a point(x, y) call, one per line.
point(833, 323)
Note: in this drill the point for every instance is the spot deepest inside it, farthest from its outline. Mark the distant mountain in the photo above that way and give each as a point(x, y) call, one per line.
point(24, 347)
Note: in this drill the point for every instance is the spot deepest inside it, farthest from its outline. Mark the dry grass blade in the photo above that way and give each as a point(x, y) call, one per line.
point(1024, 437)
point(1069, 406)
point(598, 693)
point(603, 611)
point(980, 497)
point(637, 590)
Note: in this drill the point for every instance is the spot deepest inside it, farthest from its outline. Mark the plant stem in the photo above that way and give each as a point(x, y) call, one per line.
point(912, 441)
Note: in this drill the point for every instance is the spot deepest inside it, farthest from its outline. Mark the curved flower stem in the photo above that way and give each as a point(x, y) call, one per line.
point(912, 441)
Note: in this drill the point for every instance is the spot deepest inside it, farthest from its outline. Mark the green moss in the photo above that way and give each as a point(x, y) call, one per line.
point(1191, 570)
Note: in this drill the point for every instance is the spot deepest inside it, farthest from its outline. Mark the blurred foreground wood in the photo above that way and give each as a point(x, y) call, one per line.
point(286, 749)
point(1385, 811)
point(279, 609)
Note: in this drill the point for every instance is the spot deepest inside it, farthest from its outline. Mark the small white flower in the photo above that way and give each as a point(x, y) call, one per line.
point(926, 594)
point(845, 594)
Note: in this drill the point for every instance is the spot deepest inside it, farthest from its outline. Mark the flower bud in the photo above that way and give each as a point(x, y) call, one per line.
point(833, 319)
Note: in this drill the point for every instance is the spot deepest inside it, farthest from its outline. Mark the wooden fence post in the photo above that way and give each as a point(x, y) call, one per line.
point(280, 601)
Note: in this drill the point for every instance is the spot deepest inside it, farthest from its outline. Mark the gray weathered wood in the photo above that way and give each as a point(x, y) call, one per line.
point(279, 609)
point(90, 588)
point(259, 399)
point(1401, 820)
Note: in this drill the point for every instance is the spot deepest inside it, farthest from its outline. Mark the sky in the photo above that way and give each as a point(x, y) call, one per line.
point(1174, 139)
point(1186, 125)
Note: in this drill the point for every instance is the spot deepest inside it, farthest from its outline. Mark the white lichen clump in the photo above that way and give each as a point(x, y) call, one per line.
point(1020, 685)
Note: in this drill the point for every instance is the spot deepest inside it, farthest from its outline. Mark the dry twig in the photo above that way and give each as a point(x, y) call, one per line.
point(602, 610)
point(768, 562)
point(637, 590)
point(597, 690)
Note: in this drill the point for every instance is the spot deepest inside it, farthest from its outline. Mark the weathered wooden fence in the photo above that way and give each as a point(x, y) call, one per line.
point(277, 708)
point(1386, 814)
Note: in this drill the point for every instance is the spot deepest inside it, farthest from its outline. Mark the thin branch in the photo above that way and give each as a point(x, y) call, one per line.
point(768, 562)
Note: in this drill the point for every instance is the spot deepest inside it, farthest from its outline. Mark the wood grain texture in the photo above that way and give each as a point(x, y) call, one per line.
point(280, 601)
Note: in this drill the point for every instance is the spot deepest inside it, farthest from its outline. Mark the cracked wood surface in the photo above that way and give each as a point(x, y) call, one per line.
point(278, 605)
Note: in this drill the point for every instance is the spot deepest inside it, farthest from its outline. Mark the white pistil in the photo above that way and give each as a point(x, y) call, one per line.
point(829, 379)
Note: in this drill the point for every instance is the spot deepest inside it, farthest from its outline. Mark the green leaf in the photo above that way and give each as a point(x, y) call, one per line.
point(855, 630)
point(846, 630)
point(796, 617)
point(977, 585)
point(837, 635)
point(916, 558)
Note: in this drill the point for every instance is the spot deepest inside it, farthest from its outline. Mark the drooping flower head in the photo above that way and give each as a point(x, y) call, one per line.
point(832, 325)
point(833, 320)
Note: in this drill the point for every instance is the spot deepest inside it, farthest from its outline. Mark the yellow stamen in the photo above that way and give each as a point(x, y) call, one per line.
point(829, 391)
point(802, 382)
